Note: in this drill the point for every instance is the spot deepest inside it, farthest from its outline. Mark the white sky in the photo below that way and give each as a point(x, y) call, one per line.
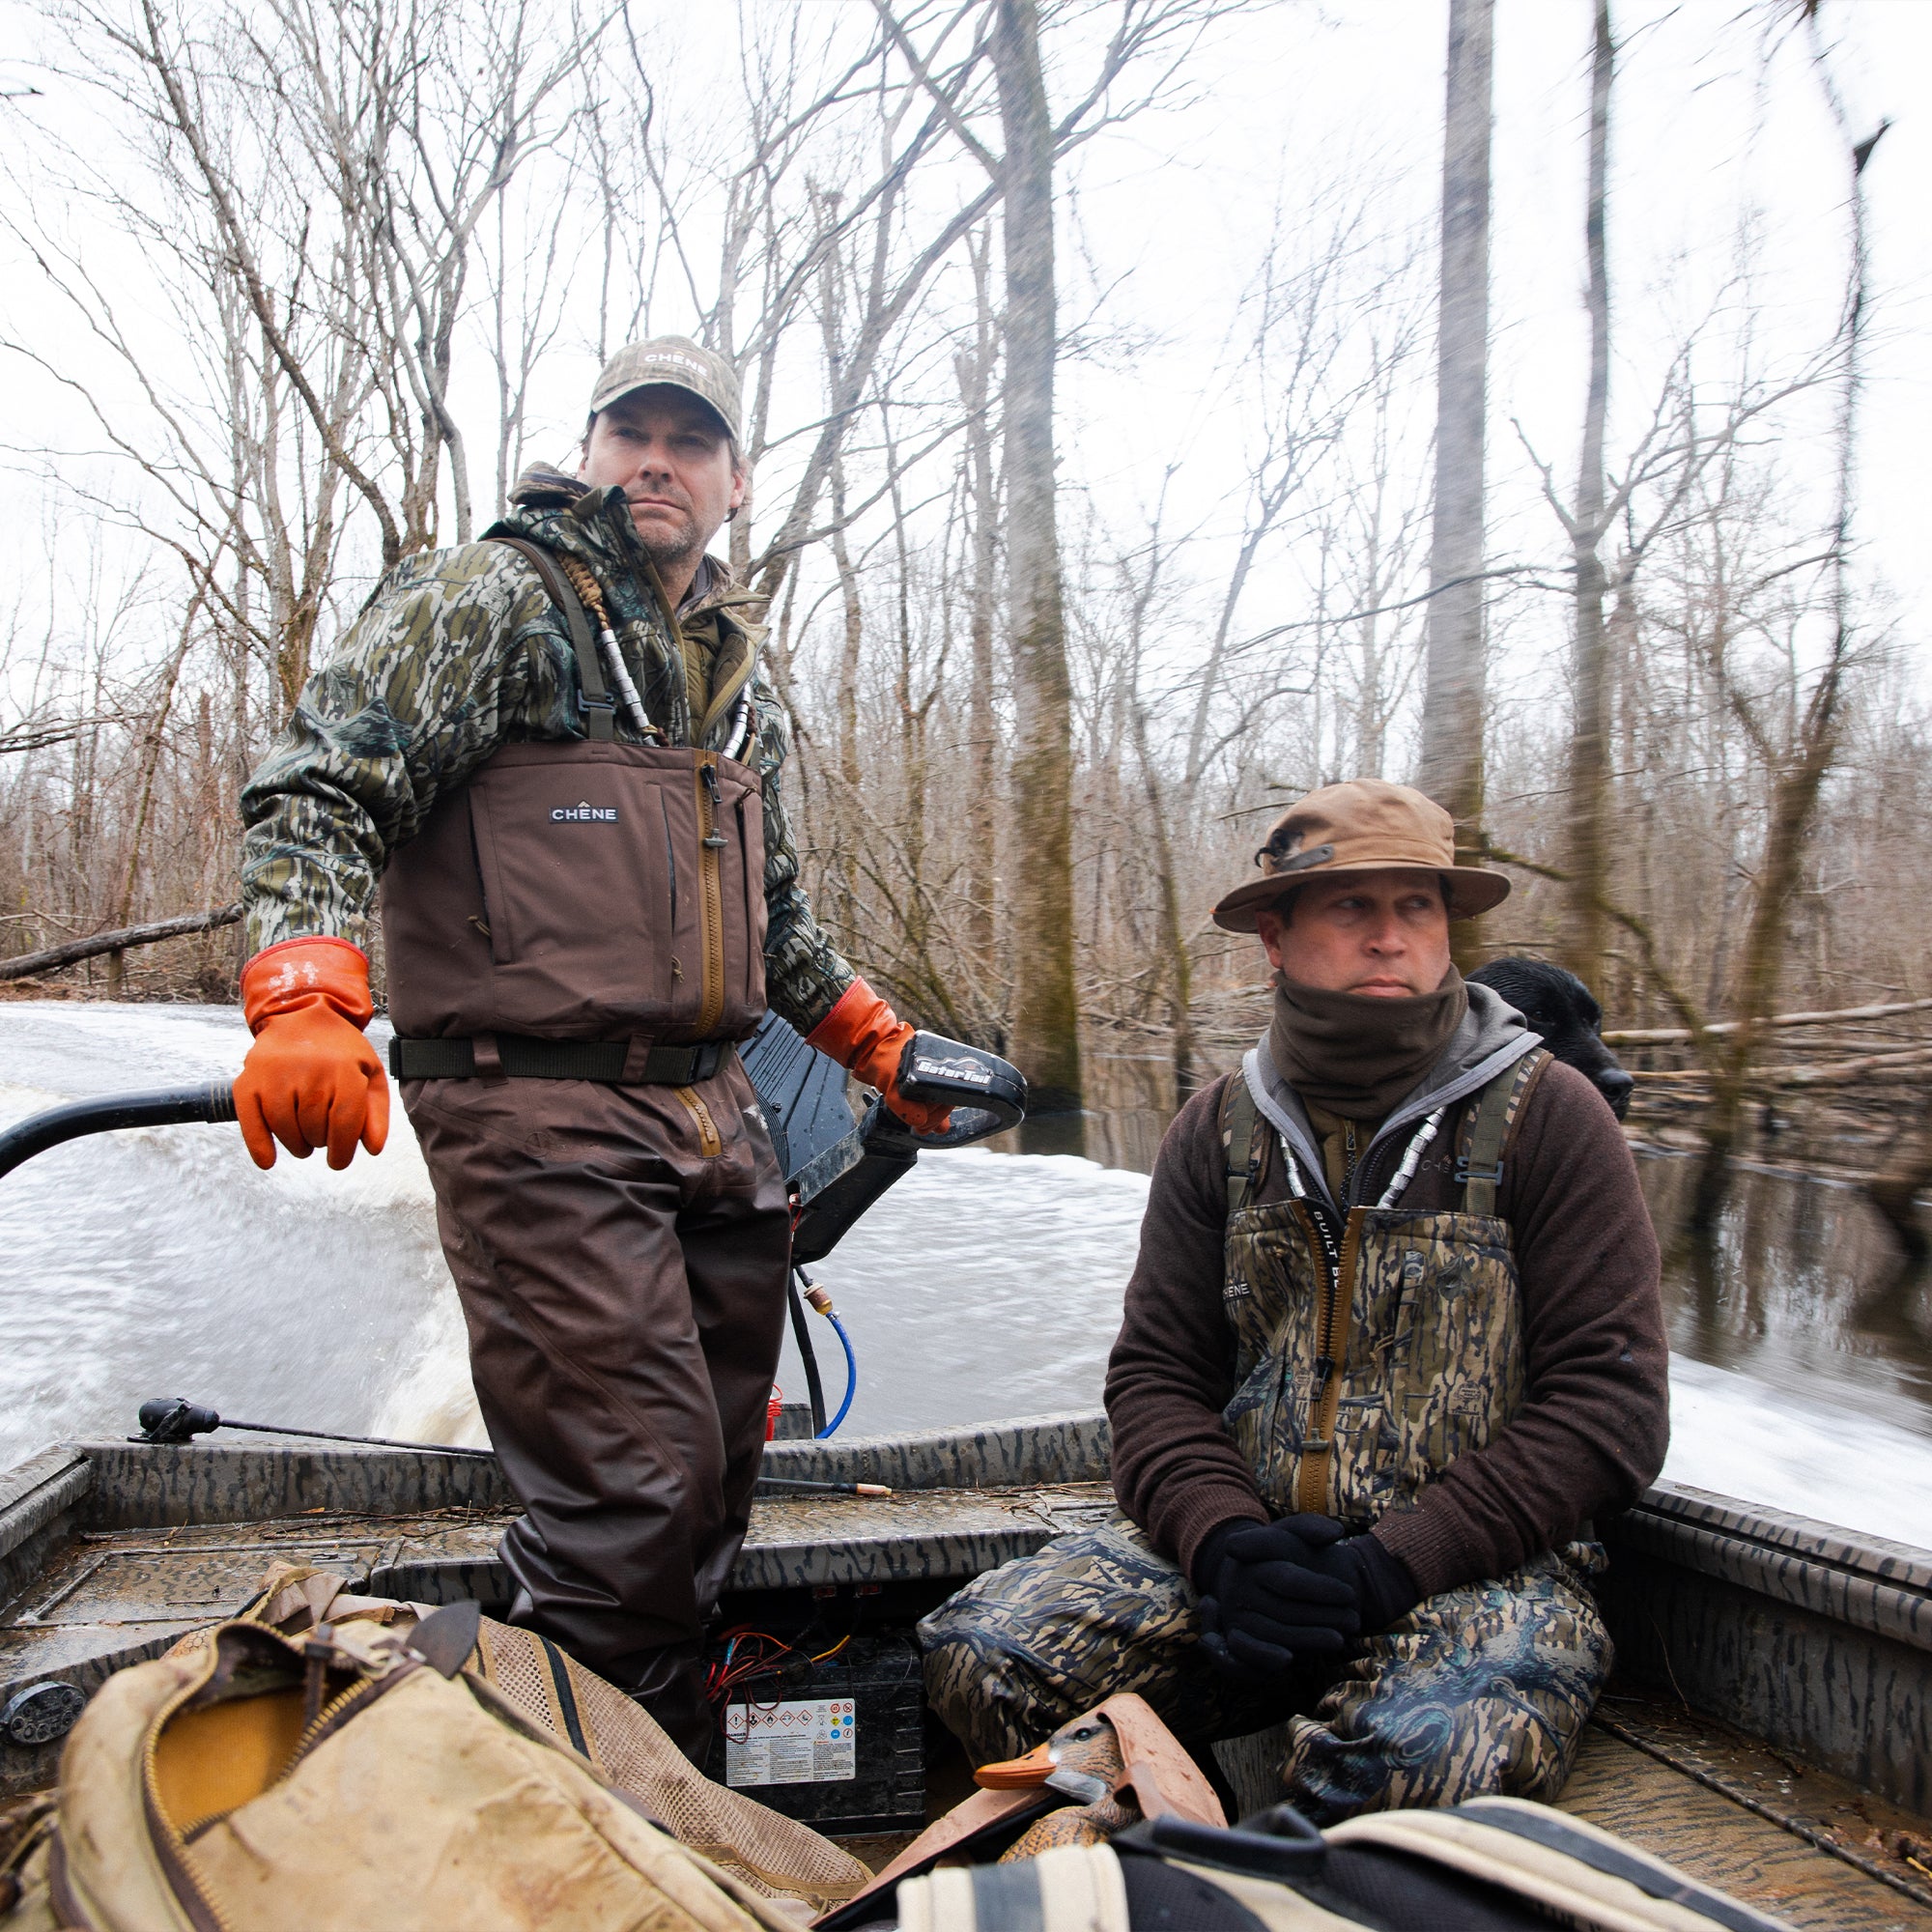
point(1703, 138)
point(1166, 215)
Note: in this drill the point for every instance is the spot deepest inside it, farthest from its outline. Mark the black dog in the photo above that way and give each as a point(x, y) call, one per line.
point(1564, 1010)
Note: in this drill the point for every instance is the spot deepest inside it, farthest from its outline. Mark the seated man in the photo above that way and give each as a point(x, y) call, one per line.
point(1392, 1340)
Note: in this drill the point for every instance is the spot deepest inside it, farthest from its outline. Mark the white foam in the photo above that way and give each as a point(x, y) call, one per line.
point(1742, 1438)
point(162, 1262)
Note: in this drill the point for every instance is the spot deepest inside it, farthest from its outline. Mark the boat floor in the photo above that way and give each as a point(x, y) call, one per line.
point(1682, 1786)
point(1724, 1806)
point(111, 1596)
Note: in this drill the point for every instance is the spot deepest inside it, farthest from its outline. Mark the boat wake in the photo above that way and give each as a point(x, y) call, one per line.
point(162, 1262)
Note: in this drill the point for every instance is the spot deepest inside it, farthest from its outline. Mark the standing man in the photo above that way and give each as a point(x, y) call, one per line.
point(1394, 1337)
point(554, 753)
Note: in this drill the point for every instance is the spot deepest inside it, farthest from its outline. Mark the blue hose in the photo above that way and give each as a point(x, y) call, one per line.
point(851, 1376)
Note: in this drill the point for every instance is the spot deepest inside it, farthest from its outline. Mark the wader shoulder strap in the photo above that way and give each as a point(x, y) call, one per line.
point(1237, 1138)
point(1489, 1122)
point(600, 709)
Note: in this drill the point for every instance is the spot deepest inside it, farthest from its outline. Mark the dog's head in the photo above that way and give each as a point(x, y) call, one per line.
point(1564, 1010)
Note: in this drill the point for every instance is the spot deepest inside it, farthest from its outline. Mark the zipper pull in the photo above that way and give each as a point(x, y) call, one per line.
point(316, 1654)
point(708, 772)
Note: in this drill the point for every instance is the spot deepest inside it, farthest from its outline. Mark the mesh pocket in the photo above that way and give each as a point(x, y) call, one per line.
point(771, 1854)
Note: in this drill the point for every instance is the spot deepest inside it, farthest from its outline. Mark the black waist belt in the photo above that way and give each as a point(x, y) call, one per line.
point(618, 1062)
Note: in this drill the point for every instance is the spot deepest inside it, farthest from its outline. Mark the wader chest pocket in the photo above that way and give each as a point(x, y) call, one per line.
point(575, 882)
point(581, 891)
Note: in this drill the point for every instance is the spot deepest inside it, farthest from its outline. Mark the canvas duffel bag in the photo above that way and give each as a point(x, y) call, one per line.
point(356, 1777)
point(776, 1856)
point(1144, 1844)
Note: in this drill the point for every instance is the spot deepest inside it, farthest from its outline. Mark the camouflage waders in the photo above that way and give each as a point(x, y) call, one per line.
point(1483, 1688)
point(1367, 1360)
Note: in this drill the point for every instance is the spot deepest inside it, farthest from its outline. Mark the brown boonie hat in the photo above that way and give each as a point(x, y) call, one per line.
point(679, 363)
point(1364, 826)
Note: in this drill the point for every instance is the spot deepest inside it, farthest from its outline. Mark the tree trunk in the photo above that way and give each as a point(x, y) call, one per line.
point(912, 738)
point(846, 806)
point(1179, 974)
point(1047, 1021)
point(1794, 808)
point(1589, 801)
point(851, 774)
point(1452, 719)
point(975, 370)
point(1622, 990)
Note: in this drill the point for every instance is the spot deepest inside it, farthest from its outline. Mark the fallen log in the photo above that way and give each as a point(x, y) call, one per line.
point(52, 957)
point(1682, 1035)
point(1830, 1073)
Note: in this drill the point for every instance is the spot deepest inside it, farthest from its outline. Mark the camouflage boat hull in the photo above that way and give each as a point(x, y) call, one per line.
point(1759, 1631)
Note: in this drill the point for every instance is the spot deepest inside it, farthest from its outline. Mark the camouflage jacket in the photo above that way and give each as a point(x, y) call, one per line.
point(459, 652)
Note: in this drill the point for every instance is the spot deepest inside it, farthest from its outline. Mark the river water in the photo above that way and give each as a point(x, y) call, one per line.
point(985, 1286)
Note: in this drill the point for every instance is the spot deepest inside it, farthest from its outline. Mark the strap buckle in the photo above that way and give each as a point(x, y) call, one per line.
point(1464, 1173)
point(605, 703)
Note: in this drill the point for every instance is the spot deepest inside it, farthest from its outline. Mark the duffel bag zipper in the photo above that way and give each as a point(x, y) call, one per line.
point(711, 895)
point(337, 1712)
point(171, 1843)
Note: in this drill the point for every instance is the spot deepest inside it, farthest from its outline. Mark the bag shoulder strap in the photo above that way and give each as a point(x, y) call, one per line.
point(1488, 1124)
point(1242, 1160)
point(600, 709)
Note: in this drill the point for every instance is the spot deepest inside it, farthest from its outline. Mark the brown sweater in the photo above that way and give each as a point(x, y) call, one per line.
point(1595, 1419)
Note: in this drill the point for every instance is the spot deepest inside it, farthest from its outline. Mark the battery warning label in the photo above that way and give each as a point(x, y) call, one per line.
point(808, 1741)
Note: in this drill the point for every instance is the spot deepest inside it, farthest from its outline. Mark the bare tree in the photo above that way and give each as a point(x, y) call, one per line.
point(1046, 1014)
point(1143, 588)
point(1451, 768)
point(1590, 668)
point(1006, 35)
point(974, 370)
point(1306, 308)
point(1812, 741)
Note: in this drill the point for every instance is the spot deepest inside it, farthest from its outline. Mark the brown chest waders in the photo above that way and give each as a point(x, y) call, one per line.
point(576, 944)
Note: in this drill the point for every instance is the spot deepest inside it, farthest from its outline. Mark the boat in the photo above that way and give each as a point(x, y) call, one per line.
point(1768, 1728)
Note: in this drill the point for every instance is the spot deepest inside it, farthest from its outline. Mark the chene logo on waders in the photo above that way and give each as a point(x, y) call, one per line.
point(583, 812)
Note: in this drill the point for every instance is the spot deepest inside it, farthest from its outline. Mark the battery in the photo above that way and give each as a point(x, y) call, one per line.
point(839, 1745)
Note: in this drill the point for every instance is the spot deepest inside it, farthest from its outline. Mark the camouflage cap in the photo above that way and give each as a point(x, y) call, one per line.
point(679, 363)
point(1366, 825)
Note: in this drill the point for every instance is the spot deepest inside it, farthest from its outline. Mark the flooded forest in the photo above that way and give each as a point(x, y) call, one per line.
point(1140, 434)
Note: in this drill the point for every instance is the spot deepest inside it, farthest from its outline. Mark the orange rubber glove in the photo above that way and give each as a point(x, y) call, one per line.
point(310, 1080)
point(864, 1034)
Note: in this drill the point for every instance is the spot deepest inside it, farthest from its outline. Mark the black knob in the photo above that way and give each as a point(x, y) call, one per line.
point(174, 1419)
point(42, 1713)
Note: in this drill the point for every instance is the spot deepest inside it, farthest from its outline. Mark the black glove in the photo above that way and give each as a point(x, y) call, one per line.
point(1383, 1587)
point(1206, 1575)
point(1265, 1600)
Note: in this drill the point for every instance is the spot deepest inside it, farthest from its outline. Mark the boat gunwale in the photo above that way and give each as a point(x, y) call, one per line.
point(1753, 1587)
point(1869, 1581)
